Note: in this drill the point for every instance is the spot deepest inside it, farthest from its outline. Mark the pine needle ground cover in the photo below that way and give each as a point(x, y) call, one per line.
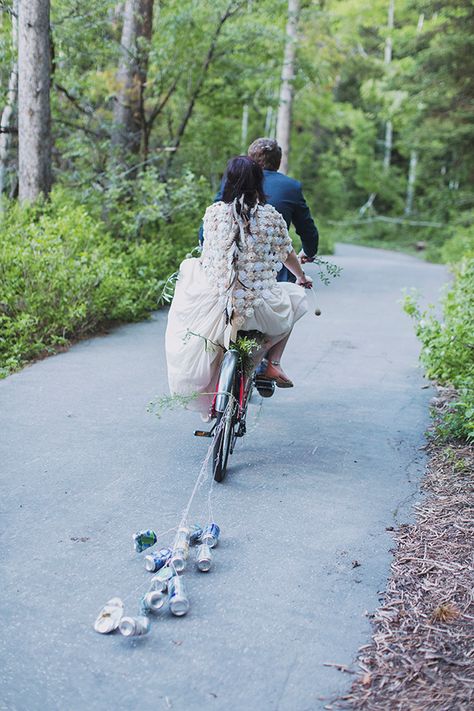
point(422, 655)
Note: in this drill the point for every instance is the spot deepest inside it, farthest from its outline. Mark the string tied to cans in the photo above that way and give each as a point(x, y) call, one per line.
point(167, 587)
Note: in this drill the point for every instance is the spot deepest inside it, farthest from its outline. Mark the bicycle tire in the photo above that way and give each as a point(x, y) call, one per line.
point(222, 444)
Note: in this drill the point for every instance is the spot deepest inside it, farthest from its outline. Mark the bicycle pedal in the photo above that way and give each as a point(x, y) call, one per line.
point(202, 433)
point(265, 386)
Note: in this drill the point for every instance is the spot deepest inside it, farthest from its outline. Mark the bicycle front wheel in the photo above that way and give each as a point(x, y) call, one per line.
point(222, 442)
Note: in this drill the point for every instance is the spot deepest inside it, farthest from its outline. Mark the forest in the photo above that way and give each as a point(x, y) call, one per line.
point(117, 120)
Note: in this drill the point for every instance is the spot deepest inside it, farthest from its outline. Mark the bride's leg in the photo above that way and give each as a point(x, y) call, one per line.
point(273, 369)
point(276, 351)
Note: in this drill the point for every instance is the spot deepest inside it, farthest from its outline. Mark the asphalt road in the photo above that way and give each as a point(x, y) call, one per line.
point(324, 469)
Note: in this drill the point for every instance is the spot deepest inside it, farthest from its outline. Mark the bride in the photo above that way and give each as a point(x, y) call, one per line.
point(232, 286)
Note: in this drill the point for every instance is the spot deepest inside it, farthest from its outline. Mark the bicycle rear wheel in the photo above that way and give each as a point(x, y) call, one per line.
point(222, 442)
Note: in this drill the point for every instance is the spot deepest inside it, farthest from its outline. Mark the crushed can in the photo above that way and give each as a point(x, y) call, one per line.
point(109, 617)
point(157, 559)
point(143, 540)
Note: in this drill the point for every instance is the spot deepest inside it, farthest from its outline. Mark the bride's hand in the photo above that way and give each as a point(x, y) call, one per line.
point(305, 281)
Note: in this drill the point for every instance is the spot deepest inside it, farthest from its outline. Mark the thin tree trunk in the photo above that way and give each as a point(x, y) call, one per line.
point(387, 156)
point(410, 197)
point(245, 128)
point(7, 114)
point(34, 112)
point(411, 183)
point(131, 77)
point(268, 121)
point(283, 128)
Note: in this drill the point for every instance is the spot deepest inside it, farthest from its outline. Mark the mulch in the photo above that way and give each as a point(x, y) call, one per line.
point(421, 657)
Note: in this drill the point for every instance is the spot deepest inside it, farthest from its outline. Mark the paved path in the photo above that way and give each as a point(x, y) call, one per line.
point(326, 468)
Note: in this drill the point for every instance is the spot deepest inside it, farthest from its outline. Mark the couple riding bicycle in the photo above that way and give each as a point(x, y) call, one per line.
point(232, 287)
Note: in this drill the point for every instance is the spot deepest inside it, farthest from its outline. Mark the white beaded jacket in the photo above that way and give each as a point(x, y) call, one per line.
point(241, 257)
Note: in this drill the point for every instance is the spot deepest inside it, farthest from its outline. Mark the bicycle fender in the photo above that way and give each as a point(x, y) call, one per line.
point(226, 379)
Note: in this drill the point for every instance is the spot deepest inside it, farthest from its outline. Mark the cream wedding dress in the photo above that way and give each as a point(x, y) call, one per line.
point(232, 286)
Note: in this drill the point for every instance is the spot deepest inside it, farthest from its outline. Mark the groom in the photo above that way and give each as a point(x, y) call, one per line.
point(286, 196)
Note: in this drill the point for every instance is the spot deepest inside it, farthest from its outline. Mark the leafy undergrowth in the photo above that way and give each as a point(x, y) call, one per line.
point(421, 655)
point(65, 271)
point(448, 349)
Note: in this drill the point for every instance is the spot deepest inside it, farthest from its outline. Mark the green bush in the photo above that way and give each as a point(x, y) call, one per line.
point(460, 245)
point(62, 274)
point(448, 347)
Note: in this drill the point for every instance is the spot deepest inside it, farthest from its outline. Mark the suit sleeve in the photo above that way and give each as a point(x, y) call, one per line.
point(304, 225)
point(217, 197)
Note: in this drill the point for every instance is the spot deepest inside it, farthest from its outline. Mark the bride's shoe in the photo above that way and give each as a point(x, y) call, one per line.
point(274, 372)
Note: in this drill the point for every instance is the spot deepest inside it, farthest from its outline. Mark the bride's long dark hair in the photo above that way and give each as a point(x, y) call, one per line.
point(243, 177)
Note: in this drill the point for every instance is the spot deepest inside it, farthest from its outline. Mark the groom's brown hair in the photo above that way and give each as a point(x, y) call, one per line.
point(266, 152)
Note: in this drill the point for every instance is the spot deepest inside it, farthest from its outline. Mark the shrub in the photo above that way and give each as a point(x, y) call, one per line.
point(448, 347)
point(460, 245)
point(62, 275)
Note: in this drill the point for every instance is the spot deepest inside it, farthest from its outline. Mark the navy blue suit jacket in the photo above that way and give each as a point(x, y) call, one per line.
point(286, 196)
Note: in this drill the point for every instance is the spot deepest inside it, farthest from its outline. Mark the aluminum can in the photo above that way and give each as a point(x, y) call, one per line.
point(182, 537)
point(210, 535)
point(143, 540)
point(160, 581)
point(196, 532)
point(204, 557)
point(177, 596)
point(134, 626)
point(152, 601)
point(157, 559)
point(179, 558)
point(110, 616)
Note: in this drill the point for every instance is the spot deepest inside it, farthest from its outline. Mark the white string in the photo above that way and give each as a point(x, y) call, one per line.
point(200, 479)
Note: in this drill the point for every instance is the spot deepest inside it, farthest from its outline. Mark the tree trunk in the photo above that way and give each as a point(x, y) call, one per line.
point(283, 128)
point(34, 112)
point(7, 114)
point(387, 153)
point(245, 128)
point(387, 156)
point(131, 76)
point(411, 182)
point(268, 122)
point(410, 197)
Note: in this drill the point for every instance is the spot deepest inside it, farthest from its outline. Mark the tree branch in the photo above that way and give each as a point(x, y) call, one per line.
point(232, 9)
point(89, 131)
point(73, 100)
point(161, 104)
